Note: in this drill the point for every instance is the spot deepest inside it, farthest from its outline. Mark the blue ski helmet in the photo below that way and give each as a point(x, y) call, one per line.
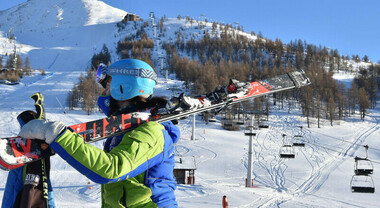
point(131, 78)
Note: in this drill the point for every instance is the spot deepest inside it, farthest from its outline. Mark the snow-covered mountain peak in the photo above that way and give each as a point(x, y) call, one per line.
point(100, 13)
point(42, 15)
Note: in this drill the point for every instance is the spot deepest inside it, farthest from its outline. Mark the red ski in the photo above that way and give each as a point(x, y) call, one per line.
point(16, 151)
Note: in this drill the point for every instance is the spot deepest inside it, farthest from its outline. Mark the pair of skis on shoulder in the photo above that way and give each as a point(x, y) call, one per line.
point(17, 151)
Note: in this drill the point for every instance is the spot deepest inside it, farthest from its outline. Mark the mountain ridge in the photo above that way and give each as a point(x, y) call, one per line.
point(59, 35)
point(40, 15)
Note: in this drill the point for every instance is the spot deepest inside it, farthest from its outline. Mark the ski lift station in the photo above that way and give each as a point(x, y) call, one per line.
point(184, 170)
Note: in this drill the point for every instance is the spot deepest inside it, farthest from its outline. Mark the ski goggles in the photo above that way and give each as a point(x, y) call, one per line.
point(133, 72)
point(101, 75)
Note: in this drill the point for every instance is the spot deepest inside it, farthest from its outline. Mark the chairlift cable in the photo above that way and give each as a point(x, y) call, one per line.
point(377, 149)
point(322, 146)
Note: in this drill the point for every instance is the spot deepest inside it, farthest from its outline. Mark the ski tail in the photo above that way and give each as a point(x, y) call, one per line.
point(38, 104)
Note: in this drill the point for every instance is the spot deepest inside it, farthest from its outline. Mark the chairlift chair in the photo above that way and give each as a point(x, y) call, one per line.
point(264, 124)
point(212, 120)
point(249, 133)
point(363, 166)
point(264, 118)
point(362, 184)
point(298, 141)
point(298, 144)
point(228, 124)
point(287, 151)
point(240, 122)
point(300, 133)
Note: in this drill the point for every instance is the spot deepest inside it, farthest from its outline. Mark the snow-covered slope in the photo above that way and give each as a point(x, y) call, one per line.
point(54, 32)
point(319, 176)
point(44, 15)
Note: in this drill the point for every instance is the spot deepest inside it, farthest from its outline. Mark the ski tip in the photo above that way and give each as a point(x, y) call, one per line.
point(299, 78)
point(3, 168)
point(6, 167)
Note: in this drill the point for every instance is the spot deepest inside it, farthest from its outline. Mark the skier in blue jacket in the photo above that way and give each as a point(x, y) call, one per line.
point(135, 169)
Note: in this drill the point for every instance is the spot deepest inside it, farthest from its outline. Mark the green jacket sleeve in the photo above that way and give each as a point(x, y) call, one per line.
point(138, 150)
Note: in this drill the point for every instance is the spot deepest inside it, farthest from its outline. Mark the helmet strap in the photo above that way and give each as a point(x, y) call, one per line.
point(149, 98)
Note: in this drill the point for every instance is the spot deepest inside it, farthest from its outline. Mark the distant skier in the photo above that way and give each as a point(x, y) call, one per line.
point(135, 169)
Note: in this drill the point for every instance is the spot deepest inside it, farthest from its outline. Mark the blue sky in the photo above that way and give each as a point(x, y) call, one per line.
point(352, 27)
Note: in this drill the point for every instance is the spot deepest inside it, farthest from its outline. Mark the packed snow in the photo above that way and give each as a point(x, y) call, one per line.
point(318, 176)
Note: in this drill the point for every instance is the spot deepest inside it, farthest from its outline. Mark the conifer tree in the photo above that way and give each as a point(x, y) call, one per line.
point(364, 103)
point(331, 110)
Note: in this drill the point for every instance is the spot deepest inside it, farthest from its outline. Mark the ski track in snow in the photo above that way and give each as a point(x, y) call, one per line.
point(321, 162)
point(361, 137)
point(279, 182)
point(274, 170)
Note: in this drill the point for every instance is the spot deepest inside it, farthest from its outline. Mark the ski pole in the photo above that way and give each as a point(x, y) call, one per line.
point(38, 104)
